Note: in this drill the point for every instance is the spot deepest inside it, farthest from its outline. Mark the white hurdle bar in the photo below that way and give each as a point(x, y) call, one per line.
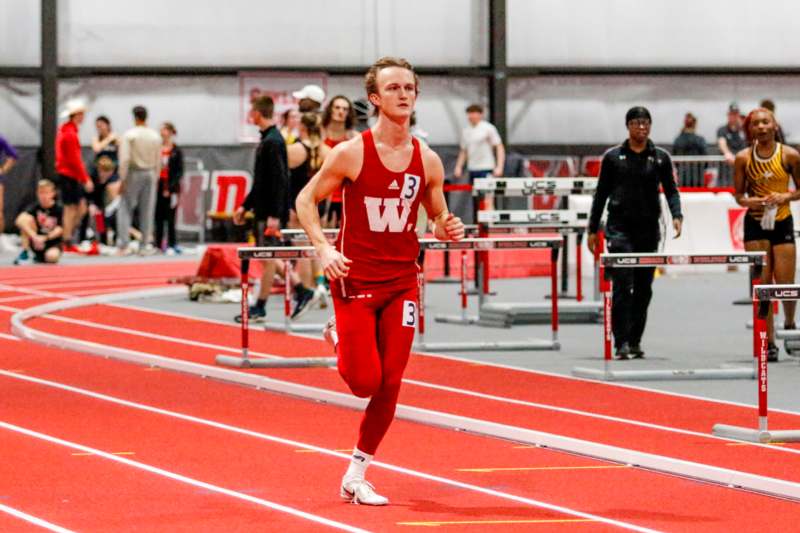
point(644, 260)
point(763, 296)
point(534, 186)
point(553, 243)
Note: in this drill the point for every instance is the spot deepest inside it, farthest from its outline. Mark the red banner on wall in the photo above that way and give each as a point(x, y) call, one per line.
point(736, 226)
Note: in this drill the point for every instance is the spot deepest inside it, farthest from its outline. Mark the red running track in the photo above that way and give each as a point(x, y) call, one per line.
point(527, 399)
point(279, 472)
point(625, 493)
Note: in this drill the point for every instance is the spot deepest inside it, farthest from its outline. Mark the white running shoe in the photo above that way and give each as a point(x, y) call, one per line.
point(329, 333)
point(321, 296)
point(361, 492)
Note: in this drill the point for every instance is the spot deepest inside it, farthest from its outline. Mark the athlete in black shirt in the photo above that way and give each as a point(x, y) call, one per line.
point(40, 226)
point(630, 177)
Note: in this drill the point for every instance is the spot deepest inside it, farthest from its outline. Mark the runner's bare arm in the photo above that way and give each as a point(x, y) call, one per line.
point(342, 162)
point(446, 226)
point(739, 192)
point(792, 157)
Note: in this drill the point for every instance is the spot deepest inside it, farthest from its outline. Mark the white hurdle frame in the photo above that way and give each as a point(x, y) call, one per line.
point(610, 261)
point(763, 296)
point(486, 244)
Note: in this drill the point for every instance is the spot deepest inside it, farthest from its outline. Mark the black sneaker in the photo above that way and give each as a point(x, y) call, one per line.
point(636, 351)
point(255, 314)
point(23, 258)
point(623, 352)
point(302, 302)
point(772, 353)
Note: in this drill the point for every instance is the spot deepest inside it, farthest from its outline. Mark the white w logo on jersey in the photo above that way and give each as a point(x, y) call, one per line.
point(390, 218)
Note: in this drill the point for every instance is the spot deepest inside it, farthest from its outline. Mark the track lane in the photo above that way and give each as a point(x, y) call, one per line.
point(699, 447)
point(448, 452)
point(83, 492)
point(255, 466)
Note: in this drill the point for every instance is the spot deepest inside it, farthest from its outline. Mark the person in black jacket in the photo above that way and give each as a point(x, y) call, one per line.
point(630, 177)
point(269, 196)
point(169, 187)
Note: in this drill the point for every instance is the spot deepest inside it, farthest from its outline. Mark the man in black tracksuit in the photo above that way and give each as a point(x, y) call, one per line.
point(630, 177)
point(269, 196)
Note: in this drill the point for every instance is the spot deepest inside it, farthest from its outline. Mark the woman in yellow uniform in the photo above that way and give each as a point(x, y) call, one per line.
point(761, 180)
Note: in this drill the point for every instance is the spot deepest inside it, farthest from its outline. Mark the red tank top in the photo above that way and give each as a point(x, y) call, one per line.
point(379, 219)
point(336, 196)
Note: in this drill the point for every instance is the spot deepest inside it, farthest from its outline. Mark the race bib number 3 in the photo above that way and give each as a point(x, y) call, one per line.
point(411, 184)
point(409, 313)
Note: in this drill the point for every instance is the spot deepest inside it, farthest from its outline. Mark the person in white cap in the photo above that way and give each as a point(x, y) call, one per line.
point(309, 98)
point(73, 179)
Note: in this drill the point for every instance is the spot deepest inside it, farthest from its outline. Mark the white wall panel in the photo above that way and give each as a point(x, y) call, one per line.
point(20, 30)
point(653, 32)
point(20, 112)
point(583, 109)
point(253, 32)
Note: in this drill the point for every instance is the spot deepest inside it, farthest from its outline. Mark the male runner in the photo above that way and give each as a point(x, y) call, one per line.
point(386, 174)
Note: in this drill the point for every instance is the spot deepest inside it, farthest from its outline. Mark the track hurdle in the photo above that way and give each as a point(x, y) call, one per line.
point(288, 324)
point(763, 296)
point(484, 245)
point(246, 255)
point(562, 222)
point(611, 261)
point(525, 187)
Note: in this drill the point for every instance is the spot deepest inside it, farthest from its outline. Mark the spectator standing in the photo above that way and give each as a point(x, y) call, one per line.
point(8, 158)
point(40, 227)
point(309, 98)
point(769, 105)
point(169, 188)
point(106, 142)
point(730, 140)
point(268, 199)
point(688, 142)
point(305, 159)
point(139, 167)
point(73, 179)
point(338, 125)
point(291, 125)
point(630, 177)
point(481, 147)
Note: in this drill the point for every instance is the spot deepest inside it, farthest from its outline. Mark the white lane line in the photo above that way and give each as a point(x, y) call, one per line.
point(99, 283)
point(33, 520)
point(424, 384)
point(297, 444)
point(9, 337)
point(181, 478)
point(468, 361)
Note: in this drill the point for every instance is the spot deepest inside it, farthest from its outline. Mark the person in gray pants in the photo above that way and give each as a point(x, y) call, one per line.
point(139, 166)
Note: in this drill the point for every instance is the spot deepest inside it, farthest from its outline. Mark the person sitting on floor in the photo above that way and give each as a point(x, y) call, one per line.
point(40, 227)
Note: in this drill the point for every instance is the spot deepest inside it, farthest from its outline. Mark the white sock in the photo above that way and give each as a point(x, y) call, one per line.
point(358, 465)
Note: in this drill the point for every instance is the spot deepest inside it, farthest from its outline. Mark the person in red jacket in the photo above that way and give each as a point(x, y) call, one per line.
point(73, 179)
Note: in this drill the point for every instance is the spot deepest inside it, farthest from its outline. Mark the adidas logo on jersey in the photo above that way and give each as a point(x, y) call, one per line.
point(768, 174)
point(394, 186)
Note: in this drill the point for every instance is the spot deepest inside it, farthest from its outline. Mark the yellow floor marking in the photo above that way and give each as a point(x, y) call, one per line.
point(495, 522)
point(343, 450)
point(751, 443)
point(83, 454)
point(516, 469)
point(525, 447)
